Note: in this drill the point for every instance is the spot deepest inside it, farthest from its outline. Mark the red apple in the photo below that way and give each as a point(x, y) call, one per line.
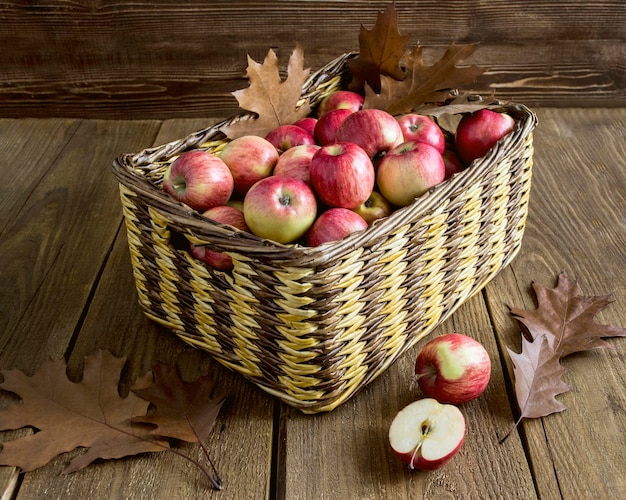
point(375, 130)
point(307, 124)
point(250, 158)
point(200, 179)
point(284, 137)
point(422, 128)
point(453, 368)
point(342, 175)
point(340, 99)
point(296, 162)
point(374, 208)
point(478, 132)
point(224, 215)
point(408, 171)
point(452, 162)
point(326, 128)
point(280, 208)
point(427, 434)
point(334, 224)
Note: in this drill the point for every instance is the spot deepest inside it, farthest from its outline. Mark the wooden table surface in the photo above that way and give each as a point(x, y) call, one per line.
point(66, 290)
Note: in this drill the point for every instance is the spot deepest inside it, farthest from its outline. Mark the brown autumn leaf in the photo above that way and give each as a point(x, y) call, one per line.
point(424, 84)
point(380, 51)
point(562, 324)
point(68, 415)
point(538, 379)
point(274, 101)
point(464, 102)
point(185, 411)
point(567, 318)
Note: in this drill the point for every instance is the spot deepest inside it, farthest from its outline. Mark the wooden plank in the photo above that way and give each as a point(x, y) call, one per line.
point(27, 147)
point(162, 59)
point(59, 240)
point(577, 225)
point(242, 438)
point(348, 454)
point(57, 188)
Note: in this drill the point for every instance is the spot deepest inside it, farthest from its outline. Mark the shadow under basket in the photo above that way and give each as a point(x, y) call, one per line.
point(312, 326)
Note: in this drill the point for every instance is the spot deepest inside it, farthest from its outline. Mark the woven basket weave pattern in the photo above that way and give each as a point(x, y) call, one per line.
point(312, 326)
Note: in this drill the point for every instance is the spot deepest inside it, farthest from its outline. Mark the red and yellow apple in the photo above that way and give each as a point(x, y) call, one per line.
point(342, 175)
point(340, 99)
point(478, 132)
point(280, 208)
point(374, 208)
point(296, 162)
point(284, 137)
point(408, 171)
point(422, 128)
point(250, 158)
point(199, 179)
point(453, 368)
point(327, 125)
point(375, 130)
point(334, 224)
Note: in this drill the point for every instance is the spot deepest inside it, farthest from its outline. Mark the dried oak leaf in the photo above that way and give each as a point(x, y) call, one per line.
point(566, 318)
point(538, 379)
point(185, 411)
point(562, 324)
point(274, 101)
point(67, 415)
point(424, 84)
point(380, 52)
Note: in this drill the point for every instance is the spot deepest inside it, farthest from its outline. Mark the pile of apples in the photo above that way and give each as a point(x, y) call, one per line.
point(451, 369)
point(326, 176)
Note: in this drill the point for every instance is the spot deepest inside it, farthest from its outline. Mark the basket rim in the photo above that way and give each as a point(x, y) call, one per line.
point(226, 238)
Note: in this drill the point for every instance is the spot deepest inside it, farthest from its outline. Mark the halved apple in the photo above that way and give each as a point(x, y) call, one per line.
point(427, 434)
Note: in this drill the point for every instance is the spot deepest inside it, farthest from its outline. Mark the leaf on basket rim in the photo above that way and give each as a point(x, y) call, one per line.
point(424, 84)
point(274, 101)
point(380, 51)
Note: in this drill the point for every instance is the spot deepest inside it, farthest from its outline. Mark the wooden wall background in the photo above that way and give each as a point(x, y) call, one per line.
point(166, 58)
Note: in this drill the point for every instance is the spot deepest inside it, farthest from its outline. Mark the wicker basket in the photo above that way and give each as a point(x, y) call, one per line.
point(312, 326)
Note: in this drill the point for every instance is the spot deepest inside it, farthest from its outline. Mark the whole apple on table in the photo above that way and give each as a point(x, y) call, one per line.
point(363, 160)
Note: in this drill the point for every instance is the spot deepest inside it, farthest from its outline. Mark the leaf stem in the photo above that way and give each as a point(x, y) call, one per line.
point(506, 436)
point(216, 480)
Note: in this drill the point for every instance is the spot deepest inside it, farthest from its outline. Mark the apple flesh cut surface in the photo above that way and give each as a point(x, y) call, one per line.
point(453, 368)
point(427, 434)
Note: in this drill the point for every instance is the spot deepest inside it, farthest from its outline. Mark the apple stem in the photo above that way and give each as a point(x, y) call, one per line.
point(417, 448)
point(506, 436)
